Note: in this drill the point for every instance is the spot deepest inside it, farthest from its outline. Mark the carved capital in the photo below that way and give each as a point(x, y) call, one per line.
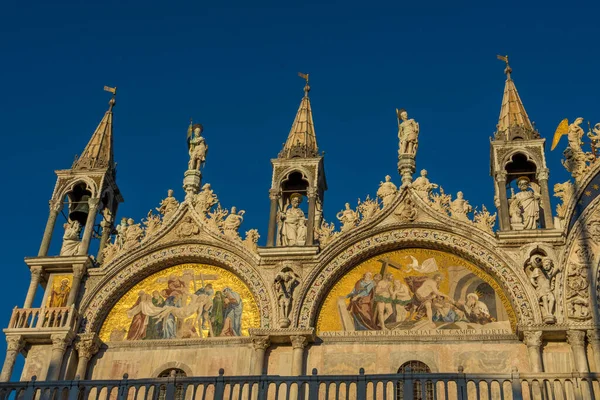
point(311, 192)
point(14, 343)
point(61, 341)
point(299, 342)
point(274, 194)
point(501, 176)
point(87, 345)
point(93, 203)
point(36, 273)
point(593, 335)
point(576, 338)
point(532, 338)
point(78, 271)
point(55, 205)
point(261, 343)
point(543, 174)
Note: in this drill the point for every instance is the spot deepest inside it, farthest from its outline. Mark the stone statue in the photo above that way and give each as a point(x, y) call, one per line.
point(524, 207)
point(197, 148)
point(232, 223)
point(460, 207)
point(71, 242)
point(575, 134)
point(293, 223)
point(408, 134)
point(168, 206)
point(541, 274)
point(251, 240)
point(348, 218)
point(285, 284)
point(577, 163)
point(595, 136)
point(121, 232)
point(133, 234)
point(484, 220)
point(368, 208)
point(422, 186)
point(205, 200)
point(387, 191)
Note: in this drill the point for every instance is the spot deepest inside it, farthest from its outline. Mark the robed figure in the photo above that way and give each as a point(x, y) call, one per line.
point(361, 304)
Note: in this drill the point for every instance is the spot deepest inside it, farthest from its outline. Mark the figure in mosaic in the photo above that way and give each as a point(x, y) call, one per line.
point(60, 294)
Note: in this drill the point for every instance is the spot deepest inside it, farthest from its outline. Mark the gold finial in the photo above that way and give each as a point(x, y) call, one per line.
point(306, 87)
point(508, 69)
point(112, 101)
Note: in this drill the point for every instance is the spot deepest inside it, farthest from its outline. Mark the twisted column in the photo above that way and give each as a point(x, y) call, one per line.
point(577, 341)
point(55, 207)
point(533, 340)
point(87, 346)
point(260, 344)
point(36, 274)
point(14, 344)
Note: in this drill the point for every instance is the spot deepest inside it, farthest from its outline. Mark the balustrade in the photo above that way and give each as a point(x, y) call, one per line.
point(405, 386)
point(52, 318)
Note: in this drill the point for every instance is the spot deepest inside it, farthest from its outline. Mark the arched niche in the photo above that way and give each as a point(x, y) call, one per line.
point(123, 276)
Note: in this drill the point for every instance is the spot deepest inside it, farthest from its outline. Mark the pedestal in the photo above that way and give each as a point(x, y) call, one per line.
point(406, 168)
point(192, 179)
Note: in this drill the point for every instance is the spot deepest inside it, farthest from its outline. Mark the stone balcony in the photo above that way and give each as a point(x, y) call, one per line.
point(41, 323)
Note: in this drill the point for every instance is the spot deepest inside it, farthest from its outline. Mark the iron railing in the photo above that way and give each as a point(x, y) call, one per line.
point(420, 386)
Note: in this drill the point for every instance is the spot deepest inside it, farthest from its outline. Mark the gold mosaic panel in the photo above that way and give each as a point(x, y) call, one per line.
point(59, 291)
point(184, 301)
point(427, 291)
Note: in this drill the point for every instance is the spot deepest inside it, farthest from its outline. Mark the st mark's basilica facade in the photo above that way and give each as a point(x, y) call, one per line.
point(411, 278)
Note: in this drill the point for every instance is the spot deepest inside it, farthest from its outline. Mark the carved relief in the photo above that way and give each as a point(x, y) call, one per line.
point(232, 224)
point(542, 273)
point(188, 227)
point(564, 191)
point(325, 233)
point(406, 211)
point(285, 284)
point(251, 240)
point(577, 294)
point(484, 220)
point(367, 209)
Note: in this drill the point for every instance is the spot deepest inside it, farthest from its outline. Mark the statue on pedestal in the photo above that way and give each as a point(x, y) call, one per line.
point(197, 147)
point(524, 207)
point(293, 223)
point(408, 133)
point(459, 208)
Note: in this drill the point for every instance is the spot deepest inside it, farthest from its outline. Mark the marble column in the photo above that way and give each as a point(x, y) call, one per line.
point(310, 224)
point(87, 345)
point(260, 344)
point(60, 342)
point(78, 271)
point(533, 340)
point(36, 274)
point(577, 341)
point(274, 197)
point(55, 207)
point(502, 197)
point(298, 345)
point(542, 177)
point(14, 346)
point(89, 227)
point(107, 227)
point(593, 336)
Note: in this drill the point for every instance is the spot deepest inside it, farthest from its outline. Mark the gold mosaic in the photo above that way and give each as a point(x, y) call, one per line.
point(184, 301)
point(416, 289)
point(59, 292)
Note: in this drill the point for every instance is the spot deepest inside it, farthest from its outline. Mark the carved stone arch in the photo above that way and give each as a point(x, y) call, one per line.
point(116, 282)
point(69, 186)
point(511, 279)
point(173, 365)
point(307, 174)
point(528, 155)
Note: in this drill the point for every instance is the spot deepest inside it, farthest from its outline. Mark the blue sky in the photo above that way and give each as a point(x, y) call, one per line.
point(233, 67)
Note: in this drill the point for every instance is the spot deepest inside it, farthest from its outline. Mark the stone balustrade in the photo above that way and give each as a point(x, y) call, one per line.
point(431, 386)
point(50, 319)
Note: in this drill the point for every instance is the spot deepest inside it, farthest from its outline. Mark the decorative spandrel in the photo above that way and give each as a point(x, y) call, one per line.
point(419, 290)
point(182, 302)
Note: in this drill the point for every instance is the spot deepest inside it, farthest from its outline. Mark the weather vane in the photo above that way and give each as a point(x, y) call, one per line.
point(508, 69)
